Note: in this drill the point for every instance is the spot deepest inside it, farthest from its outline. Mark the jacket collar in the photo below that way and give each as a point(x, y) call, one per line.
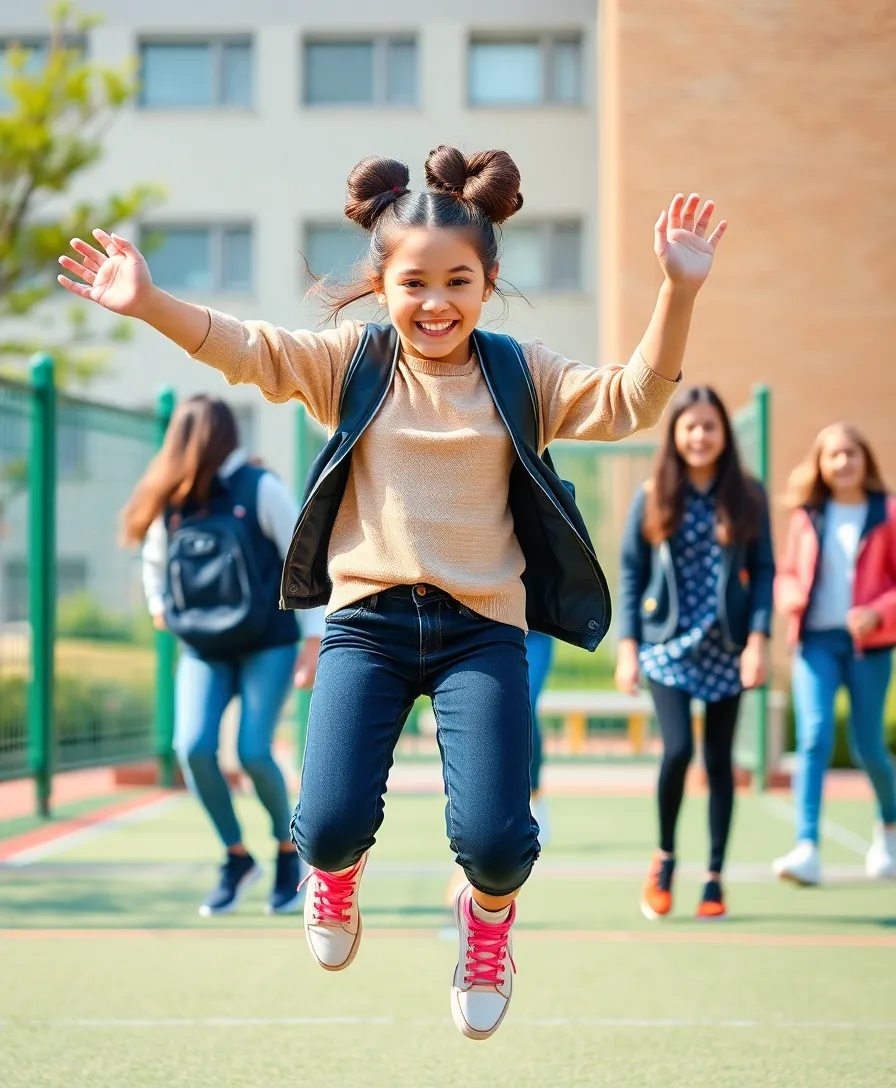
point(876, 516)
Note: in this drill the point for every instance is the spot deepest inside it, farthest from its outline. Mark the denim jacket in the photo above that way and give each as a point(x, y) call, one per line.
point(648, 594)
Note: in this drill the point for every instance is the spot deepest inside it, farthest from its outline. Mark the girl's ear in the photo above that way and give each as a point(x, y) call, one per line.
point(377, 284)
point(490, 280)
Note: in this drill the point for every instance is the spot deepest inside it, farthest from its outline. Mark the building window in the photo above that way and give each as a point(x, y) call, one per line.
point(543, 256)
point(525, 71)
point(332, 249)
point(380, 71)
point(214, 73)
point(199, 258)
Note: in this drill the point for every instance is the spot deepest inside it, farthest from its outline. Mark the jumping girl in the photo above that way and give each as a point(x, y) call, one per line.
point(696, 603)
point(837, 587)
point(422, 510)
point(202, 487)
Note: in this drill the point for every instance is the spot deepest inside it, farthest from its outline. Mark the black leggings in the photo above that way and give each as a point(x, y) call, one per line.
point(673, 712)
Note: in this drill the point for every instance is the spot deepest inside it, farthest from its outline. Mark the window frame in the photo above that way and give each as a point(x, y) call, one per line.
point(547, 242)
point(216, 228)
point(318, 223)
point(546, 40)
point(216, 42)
point(380, 41)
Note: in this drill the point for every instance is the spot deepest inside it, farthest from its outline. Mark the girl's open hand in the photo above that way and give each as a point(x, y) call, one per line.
point(117, 279)
point(680, 243)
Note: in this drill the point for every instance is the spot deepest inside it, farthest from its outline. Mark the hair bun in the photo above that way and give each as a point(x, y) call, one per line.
point(374, 185)
point(488, 179)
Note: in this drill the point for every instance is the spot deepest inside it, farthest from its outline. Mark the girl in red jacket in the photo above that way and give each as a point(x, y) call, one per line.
point(837, 586)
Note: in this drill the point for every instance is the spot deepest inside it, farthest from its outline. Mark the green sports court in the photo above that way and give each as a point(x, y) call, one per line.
point(111, 978)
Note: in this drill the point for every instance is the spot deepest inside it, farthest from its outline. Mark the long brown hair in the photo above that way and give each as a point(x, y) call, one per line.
point(738, 503)
point(805, 486)
point(471, 195)
point(201, 435)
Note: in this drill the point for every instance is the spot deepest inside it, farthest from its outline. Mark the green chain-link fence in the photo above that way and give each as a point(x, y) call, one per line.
point(84, 678)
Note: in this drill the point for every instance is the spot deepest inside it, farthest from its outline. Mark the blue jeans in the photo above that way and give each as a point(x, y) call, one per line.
point(377, 657)
point(539, 654)
point(824, 662)
point(204, 689)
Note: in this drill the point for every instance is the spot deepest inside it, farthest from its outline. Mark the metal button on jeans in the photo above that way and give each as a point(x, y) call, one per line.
point(420, 591)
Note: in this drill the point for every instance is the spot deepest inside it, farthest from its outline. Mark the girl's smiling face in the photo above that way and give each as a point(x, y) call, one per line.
point(434, 287)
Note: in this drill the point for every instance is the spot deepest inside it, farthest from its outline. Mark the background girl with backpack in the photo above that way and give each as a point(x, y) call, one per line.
point(216, 529)
point(420, 514)
point(837, 588)
point(695, 612)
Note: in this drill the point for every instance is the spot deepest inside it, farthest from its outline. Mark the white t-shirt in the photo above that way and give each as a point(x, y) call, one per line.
point(832, 597)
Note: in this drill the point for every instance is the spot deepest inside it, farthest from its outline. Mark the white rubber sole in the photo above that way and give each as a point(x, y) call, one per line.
point(792, 878)
point(456, 1015)
point(252, 877)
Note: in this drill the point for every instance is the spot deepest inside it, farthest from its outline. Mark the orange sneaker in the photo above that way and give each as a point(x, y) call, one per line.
point(656, 896)
point(712, 905)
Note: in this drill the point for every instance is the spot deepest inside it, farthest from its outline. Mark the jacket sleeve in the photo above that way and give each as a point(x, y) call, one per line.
point(634, 571)
point(762, 573)
point(787, 580)
point(885, 604)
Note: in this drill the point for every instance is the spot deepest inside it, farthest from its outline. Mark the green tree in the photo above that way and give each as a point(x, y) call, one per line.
point(55, 108)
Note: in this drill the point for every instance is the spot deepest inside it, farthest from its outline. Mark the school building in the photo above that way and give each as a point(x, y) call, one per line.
point(251, 117)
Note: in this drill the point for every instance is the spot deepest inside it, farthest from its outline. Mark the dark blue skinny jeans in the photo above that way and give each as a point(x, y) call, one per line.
point(377, 657)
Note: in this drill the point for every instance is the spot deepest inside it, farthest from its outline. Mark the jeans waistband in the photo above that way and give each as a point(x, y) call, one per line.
point(417, 591)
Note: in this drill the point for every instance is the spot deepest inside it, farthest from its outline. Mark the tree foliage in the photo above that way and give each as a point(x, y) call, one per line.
point(56, 107)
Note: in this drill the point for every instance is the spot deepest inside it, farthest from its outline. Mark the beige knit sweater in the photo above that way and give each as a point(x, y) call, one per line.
point(427, 495)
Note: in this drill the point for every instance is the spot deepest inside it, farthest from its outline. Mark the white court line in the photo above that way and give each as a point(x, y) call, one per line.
point(392, 1021)
point(94, 831)
point(840, 834)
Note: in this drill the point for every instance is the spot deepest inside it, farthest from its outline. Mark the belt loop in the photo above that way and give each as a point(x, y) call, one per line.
point(373, 600)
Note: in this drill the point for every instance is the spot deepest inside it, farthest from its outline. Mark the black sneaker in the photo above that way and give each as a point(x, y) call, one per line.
point(239, 872)
point(285, 895)
point(712, 905)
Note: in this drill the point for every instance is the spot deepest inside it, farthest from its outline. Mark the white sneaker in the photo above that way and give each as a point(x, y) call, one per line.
point(540, 812)
point(332, 917)
point(880, 861)
point(483, 978)
point(802, 865)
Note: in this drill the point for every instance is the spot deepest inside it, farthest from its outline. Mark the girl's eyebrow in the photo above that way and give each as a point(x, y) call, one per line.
point(420, 272)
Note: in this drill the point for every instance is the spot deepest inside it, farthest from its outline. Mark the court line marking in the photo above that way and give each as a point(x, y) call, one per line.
point(114, 821)
point(703, 935)
point(392, 1021)
point(777, 806)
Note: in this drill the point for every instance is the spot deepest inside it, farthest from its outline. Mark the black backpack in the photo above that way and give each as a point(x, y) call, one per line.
point(222, 572)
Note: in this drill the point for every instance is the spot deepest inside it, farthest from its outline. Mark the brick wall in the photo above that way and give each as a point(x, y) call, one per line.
point(783, 112)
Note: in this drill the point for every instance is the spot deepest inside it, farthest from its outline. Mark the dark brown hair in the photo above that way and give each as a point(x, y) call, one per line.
point(201, 435)
point(738, 498)
point(805, 487)
point(471, 195)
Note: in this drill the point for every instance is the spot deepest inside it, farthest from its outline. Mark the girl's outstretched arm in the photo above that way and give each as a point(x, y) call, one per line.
point(117, 278)
point(685, 255)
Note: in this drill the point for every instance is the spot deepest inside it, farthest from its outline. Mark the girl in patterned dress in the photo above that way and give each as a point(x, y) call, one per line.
point(695, 605)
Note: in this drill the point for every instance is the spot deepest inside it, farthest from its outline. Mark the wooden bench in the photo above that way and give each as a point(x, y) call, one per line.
point(576, 707)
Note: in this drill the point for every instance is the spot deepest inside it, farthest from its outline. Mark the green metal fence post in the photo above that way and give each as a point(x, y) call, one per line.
point(42, 576)
point(166, 648)
point(762, 399)
point(303, 698)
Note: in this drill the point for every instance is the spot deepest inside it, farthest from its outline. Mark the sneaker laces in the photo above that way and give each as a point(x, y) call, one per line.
point(486, 949)
point(332, 894)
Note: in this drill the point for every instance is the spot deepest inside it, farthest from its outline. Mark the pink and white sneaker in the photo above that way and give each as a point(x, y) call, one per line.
point(483, 978)
point(332, 918)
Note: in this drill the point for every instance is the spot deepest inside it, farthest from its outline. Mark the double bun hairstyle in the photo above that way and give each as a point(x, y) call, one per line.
point(472, 195)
